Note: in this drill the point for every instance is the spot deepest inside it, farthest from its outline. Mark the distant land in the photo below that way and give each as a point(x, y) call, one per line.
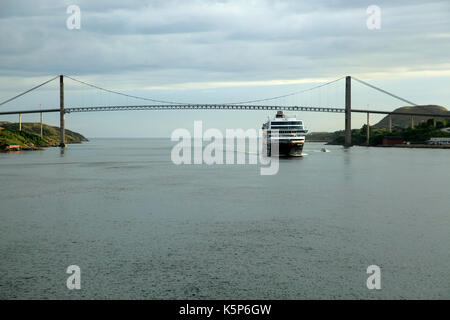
point(423, 128)
point(321, 136)
point(402, 122)
point(29, 138)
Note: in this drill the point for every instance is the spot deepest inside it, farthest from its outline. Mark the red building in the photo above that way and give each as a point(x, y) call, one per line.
point(10, 147)
point(392, 140)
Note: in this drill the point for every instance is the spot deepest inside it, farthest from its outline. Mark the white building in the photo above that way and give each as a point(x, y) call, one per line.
point(439, 141)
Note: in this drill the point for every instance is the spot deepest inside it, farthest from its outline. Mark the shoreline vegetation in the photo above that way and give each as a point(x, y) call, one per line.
point(416, 137)
point(30, 139)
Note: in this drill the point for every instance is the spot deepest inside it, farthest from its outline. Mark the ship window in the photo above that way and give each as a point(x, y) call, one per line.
point(287, 127)
point(287, 123)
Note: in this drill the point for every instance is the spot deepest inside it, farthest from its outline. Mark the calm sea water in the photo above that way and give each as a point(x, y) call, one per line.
point(141, 227)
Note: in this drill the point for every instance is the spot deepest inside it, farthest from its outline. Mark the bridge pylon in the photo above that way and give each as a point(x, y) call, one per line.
point(348, 111)
point(62, 130)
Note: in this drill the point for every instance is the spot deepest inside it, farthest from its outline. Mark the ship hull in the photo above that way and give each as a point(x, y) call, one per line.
point(285, 149)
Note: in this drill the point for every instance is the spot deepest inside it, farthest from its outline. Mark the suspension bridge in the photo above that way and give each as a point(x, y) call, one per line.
point(260, 104)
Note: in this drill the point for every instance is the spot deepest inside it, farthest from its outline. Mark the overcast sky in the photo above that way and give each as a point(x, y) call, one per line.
point(220, 51)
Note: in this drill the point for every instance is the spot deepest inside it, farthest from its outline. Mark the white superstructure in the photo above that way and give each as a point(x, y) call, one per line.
point(290, 134)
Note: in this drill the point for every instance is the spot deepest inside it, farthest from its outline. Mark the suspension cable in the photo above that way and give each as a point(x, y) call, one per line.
point(184, 103)
point(124, 94)
point(287, 95)
point(384, 91)
point(23, 93)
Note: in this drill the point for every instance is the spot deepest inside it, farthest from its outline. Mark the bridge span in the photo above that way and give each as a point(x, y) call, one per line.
point(214, 107)
point(347, 110)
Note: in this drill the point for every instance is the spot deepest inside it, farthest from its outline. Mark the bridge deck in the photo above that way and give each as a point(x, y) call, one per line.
point(215, 107)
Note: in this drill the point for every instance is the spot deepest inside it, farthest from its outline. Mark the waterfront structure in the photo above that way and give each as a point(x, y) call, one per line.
point(439, 141)
point(392, 140)
point(10, 147)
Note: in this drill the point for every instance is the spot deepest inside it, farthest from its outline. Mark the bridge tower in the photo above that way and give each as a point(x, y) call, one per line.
point(62, 130)
point(348, 111)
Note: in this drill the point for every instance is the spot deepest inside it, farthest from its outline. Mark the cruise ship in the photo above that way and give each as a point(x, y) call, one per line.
point(291, 135)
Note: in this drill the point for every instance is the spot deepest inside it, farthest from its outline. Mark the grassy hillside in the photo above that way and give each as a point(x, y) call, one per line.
point(401, 122)
point(29, 137)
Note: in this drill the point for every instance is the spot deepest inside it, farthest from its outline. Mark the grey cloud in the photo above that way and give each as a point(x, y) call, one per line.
point(192, 41)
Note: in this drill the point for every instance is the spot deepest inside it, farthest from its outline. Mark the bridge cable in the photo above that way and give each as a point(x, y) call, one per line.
point(286, 95)
point(124, 94)
point(384, 91)
point(184, 103)
point(23, 93)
